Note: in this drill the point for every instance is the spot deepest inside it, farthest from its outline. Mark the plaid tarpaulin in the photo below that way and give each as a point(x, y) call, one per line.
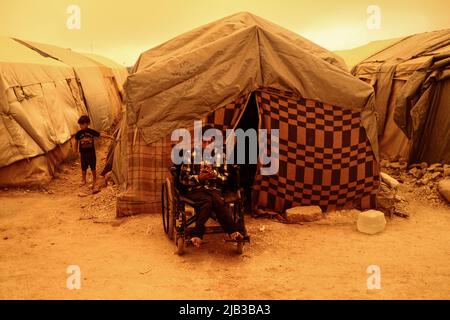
point(325, 157)
point(147, 169)
point(148, 165)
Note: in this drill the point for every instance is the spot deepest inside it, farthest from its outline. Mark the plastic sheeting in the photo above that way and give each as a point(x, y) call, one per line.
point(421, 63)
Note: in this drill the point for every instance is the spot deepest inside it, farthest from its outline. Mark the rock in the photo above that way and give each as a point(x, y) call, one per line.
point(386, 199)
point(398, 165)
point(435, 175)
point(82, 194)
point(371, 222)
point(391, 182)
point(416, 172)
point(444, 189)
point(435, 166)
point(401, 212)
point(446, 172)
point(424, 165)
point(50, 192)
point(304, 214)
point(423, 181)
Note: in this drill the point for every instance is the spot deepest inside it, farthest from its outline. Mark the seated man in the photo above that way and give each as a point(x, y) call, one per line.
point(202, 184)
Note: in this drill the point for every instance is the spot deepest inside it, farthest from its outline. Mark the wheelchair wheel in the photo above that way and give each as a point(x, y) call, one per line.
point(240, 247)
point(180, 246)
point(167, 209)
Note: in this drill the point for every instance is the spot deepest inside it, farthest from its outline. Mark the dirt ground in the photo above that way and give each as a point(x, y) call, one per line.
point(43, 231)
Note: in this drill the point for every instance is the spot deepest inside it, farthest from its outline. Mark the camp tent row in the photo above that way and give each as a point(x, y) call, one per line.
point(246, 72)
point(43, 91)
point(411, 78)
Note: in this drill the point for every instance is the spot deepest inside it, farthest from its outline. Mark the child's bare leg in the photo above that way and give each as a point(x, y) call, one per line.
point(94, 177)
point(83, 178)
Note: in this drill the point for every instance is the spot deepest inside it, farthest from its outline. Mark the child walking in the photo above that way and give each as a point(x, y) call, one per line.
point(85, 145)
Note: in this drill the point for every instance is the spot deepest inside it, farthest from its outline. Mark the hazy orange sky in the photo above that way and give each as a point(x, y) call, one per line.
point(122, 29)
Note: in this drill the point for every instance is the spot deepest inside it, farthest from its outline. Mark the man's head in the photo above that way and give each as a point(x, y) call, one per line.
point(84, 122)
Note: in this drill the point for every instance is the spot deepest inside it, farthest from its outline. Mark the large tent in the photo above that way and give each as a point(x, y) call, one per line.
point(101, 95)
point(243, 71)
point(412, 83)
point(41, 99)
point(40, 103)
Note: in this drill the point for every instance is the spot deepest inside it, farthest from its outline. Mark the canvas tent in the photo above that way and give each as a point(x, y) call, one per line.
point(412, 82)
point(101, 95)
point(41, 99)
point(40, 103)
point(241, 71)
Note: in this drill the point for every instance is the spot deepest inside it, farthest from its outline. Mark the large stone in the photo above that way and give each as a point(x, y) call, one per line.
point(371, 222)
point(304, 214)
point(444, 188)
point(435, 167)
point(390, 181)
point(435, 175)
point(386, 199)
point(446, 172)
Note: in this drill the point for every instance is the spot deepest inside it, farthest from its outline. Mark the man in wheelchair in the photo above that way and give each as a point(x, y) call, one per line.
point(204, 184)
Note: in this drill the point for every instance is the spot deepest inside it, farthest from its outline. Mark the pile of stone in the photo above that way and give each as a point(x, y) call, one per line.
point(100, 203)
point(389, 198)
point(420, 179)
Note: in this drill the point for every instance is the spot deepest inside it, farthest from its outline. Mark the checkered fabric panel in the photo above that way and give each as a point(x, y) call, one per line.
point(226, 117)
point(148, 164)
point(325, 157)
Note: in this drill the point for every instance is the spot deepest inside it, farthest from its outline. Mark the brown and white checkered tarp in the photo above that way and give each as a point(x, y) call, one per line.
point(325, 157)
point(148, 164)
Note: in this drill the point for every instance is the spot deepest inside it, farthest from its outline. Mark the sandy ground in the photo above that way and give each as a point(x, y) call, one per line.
point(42, 232)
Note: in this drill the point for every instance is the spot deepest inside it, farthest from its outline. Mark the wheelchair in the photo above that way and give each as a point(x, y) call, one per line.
point(179, 212)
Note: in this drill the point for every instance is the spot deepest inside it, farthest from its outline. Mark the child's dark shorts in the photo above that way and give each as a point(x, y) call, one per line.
point(88, 159)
